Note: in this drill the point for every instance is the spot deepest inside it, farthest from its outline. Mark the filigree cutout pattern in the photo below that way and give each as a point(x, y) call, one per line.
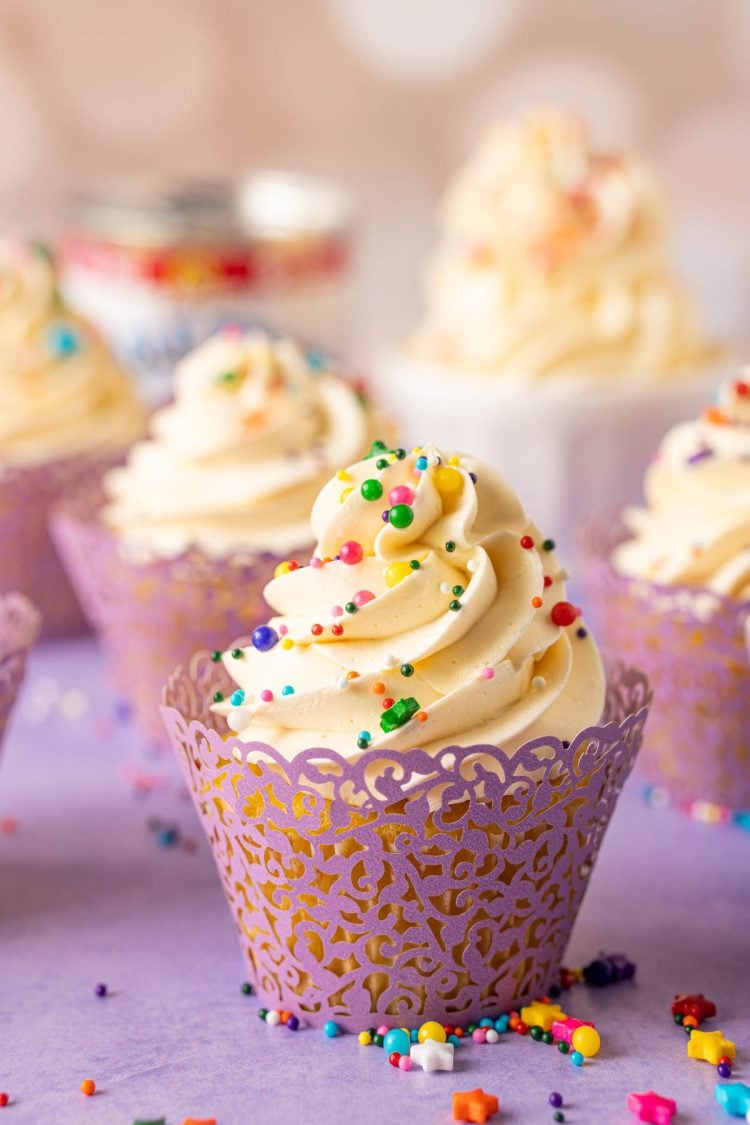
point(19, 627)
point(403, 886)
point(152, 614)
point(692, 646)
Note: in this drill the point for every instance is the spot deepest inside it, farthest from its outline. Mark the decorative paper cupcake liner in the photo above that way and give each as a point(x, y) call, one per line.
point(151, 615)
point(29, 562)
point(692, 646)
point(19, 628)
point(403, 886)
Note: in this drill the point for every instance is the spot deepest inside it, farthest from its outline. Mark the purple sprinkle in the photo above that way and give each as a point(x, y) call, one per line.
point(384, 516)
point(473, 477)
point(292, 1023)
point(565, 744)
point(701, 455)
point(581, 633)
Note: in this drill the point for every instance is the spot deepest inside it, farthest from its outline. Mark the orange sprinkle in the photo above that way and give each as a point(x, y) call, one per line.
point(690, 1021)
point(378, 688)
point(421, 716)
point(352, 675)
point(88, 1086)
point(715, 415)
point(536, 602)
point(285, 1016)
point(513, 1023)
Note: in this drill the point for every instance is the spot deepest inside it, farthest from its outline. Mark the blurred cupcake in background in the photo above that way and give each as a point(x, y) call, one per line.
point(65, 412)
point(426, 756)
point(170, 553)
point(553, 317)
point(19, 628)
point(669, 585)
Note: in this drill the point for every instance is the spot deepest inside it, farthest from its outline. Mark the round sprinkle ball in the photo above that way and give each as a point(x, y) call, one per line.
point(555, 1099)
point(4, 1098)
point(724, 1071)
point(351, 552)
point(362, 597)
point(101, 990)
point(563, 613)
point(396, 572)
point(401, 516)
point(364, 1039)
point(431, 1030)
point(586, 1041)
point(273, 1019)
point(404, 1063)
point(331, 1029)
point(88, 1087)
point(247, 988)
point(264, 638)
point(397, 1040)
point(401, 494)
point(371, 489)
point(448, 482)
point(576, 1058)
point(292, 1023)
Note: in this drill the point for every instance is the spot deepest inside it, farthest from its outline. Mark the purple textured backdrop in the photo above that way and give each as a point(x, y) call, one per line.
point(87, 894)
point(152, 616)
point(697, 745)
point(403, 886)
point(19, 626)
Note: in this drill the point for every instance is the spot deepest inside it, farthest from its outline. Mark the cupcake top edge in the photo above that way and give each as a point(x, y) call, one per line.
point(432, 612)
point(62, 392)
point(234, 462)
point(694, 529)
point(553, 262)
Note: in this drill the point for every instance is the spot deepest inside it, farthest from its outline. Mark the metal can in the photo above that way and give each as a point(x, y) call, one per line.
point(158, 264)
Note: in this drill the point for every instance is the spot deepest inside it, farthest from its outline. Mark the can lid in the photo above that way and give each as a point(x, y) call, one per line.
point(158, 210)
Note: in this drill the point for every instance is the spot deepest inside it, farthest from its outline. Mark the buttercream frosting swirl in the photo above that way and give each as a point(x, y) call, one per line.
point(236, 460)
point(60, 391)
point(432, 612)
point(695, 528)
point(553, 261)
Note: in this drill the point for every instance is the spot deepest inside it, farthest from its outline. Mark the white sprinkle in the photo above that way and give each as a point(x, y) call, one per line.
point(238, 718)
point(445, 588)
point(491, 1036)
point(73, 704)
point(472, 565)
point(273, 1018)
point(538, 682)
point(392, 661)
point(342, 683)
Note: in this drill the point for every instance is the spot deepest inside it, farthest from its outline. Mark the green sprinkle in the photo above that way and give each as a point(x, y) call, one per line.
point(400, 454)
point(458, 591)
point(548, 545)
point(227, 377)
point(454, 605)
point(401, 516)
point(415, 564)
point(381, 464)
point(407, 669)
point(400, 713)
point(350, 607)
point(371, 489)
point(262, 1013)
point(216, 656)
point(218, 696)
point(247, 988)
point(450, 546)
point(237, 653)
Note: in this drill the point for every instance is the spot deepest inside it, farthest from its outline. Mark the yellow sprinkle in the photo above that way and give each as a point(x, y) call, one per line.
point(448, 482)
point(282, 568)
point(364, 1038)
point(453, 461)
point(344, 495)
point(396, 573)
point(417, 449)
point(343, 475)
point(287, 643)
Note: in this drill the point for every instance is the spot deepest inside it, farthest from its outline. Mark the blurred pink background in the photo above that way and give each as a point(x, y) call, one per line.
point(387, 96)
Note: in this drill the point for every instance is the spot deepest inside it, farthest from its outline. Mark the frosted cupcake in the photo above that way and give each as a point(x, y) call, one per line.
point(19, 627)
point(670, 585)
point(65, 411)
point(172, 553)
point(424, 758)
point(553, 317)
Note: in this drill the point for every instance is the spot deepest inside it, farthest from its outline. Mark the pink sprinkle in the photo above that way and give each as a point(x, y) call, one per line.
point(283, 630)
point(401, 494)
point(351, 552)
point(8, 825)
point(487, 673)
point(316, 563)
point(404, 1063)
point(479, 1035)
point(383, 1029)
point(336, 611)
point(362, 597)
point(266, 695)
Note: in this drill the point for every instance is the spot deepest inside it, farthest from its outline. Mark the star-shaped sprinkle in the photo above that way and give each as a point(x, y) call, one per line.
point(710, 1046)
point(542, 1015)
point(652, 1107)
point(695, 1005)
point(733, 1097)
point(432, 1055)
point(474, 1105)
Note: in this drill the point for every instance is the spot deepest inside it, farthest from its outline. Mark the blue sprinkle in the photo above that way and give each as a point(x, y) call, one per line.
point(264, 638)
point(454, 1040)
point(742, 819)
point(422, 464)
point(316, 361)
point(501, 1023)
point(63, 340)
point(287, 690)
point(331, 1029)
point(414, 1035)
point(485, 1022)
point(237, 697)
point(168, 837)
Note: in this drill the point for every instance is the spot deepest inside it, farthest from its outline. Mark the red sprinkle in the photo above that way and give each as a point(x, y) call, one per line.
point(522, 1028)
point(527, 542)
point(537, 602)
point(388, 703)
point(316, 630)
point(563, 613)
point(337, 630)
point(742, 389)
point(4, 1099)
point(547, 581)
point(394, 1058)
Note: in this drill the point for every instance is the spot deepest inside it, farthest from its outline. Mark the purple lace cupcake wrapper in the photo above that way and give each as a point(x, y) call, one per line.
point(403, 886)
point(29, 562)
point(152, 615)
point(19, 627)
point(692, 645)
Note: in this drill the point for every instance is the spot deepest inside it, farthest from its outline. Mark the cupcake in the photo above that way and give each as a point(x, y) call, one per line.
point(423, 755)
point(669, 584)
point(19, 626)
point(65, 412)
point(171, 552)
point(553, 319)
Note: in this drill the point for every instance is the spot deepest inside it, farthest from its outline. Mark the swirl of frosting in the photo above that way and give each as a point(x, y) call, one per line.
point(235, 462)
point(60, 390)
point(432, 611)
point(696, 528)
point(553, 261)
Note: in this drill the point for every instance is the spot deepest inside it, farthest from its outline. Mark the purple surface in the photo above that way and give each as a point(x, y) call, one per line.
point(403, 886)
point(87, 895)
